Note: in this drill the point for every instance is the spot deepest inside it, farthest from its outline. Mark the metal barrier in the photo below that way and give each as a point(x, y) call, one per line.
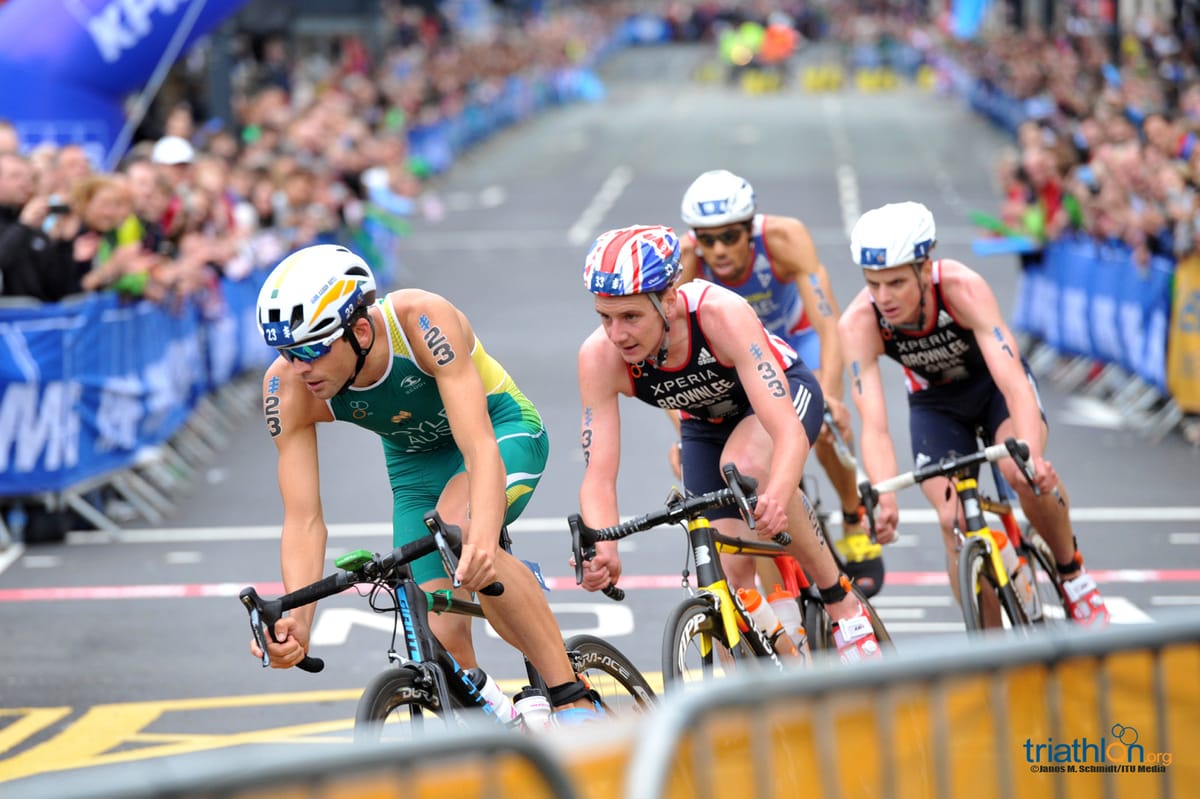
point(1067, 714)
point(464, 764)
point(1064, 714)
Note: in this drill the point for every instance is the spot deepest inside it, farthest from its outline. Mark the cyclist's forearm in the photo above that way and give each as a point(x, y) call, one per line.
point(302, 561)
point(878, 454)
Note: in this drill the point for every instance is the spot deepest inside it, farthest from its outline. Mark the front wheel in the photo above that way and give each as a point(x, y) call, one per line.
point(695, 648)
point(395, 706)
point(984, 604)
point(622, 689)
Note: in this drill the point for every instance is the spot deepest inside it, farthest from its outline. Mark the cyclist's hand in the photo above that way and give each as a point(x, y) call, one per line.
point(887, 516)
point(674, 455)
point(476, 567)
point(292, 646)
point(770, 516)
point(603, 570)
point(1044, 475)
point(841, 418)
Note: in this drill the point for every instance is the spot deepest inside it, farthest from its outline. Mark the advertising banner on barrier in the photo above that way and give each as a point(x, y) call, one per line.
point(85, 384)
point(1183, 350)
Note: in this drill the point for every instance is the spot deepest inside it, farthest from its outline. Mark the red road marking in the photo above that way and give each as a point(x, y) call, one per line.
point(634, 581)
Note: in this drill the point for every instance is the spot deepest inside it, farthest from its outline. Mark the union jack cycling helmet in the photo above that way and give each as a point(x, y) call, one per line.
point(312, 295)
point(632, 260)
point(717, 198)
point(892, 235)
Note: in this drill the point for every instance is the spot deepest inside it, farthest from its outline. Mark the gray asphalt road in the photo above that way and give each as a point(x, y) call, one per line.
point(121, 650)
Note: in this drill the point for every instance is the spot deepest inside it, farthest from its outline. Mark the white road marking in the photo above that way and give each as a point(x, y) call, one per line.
point(184, 558)
point(41, 562)
point(585, 226)
point(554, 526)
point(1184, 538)
point(1090, 412)
point(1123, 611)
point(1174, 601)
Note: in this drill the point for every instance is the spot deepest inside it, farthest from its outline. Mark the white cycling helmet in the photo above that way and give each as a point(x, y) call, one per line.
point(313, 293)
point(892, 235)
point(717, 198)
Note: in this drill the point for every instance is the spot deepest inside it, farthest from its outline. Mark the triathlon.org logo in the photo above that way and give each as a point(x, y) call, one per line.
point(1121, 752)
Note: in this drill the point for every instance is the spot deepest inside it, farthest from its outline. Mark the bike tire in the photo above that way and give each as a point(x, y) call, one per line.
point(976, 581)
point(622, 688)
point(816, 623)
point(393, 698)
point(694, 647)
point(1047, 581)
point(877, 626)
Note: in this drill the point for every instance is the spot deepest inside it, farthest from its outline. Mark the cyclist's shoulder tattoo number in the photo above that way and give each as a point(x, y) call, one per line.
point(770, 376)
point(271, 413)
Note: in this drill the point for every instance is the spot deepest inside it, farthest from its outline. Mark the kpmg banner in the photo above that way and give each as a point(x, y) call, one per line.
point(85, 384)
point(66, 66)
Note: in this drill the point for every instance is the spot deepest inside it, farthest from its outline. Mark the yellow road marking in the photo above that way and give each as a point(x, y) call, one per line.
point(32, 721)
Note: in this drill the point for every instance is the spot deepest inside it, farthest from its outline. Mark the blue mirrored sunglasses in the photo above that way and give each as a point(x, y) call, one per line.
point(312, 350)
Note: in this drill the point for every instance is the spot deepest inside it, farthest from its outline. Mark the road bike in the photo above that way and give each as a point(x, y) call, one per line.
point(983, 581)
point(711, 632)
point(424, 682)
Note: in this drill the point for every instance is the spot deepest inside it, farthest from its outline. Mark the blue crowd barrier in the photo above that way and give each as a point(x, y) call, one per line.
point(1091, 299)
point(86, 383)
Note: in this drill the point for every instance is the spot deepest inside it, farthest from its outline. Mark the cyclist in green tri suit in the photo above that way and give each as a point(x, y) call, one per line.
point(457, 433)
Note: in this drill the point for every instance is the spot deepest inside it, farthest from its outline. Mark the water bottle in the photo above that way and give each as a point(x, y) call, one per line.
point(766, 620)
point(533, 707)
point(495, 700)
point(787, 610)
point(1019, 572)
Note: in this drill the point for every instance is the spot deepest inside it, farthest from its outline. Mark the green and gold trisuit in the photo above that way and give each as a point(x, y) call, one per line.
point(406, 410)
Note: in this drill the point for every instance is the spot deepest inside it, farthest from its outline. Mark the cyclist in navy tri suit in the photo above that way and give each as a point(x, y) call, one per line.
point(942, 323)
point(744, 395)
point(771, 261)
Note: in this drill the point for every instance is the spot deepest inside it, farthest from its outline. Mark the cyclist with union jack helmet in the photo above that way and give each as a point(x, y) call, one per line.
point(772, 262)
point(744, 395)
point(941, 321)
point(458, 436)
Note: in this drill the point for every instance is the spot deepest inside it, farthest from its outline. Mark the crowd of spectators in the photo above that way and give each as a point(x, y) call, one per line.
point(315, 141)
point(1107, 145)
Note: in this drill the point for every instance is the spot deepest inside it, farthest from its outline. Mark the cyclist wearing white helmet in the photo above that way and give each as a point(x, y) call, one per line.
point(771, 261)
point(746, 398)
point(942, 323)
point(457, 434)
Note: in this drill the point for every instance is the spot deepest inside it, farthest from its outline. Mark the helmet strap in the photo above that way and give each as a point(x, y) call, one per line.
point(920, 323)
point(358, 348)
point(665, 344)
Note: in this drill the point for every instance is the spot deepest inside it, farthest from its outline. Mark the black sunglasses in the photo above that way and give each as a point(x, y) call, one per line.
point(726, 237)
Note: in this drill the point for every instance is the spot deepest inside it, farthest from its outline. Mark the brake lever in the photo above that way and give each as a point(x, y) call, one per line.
point(735, 481)
point(575, 522)
point(257, 631)
point(1019, 451)
point(870, 499)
